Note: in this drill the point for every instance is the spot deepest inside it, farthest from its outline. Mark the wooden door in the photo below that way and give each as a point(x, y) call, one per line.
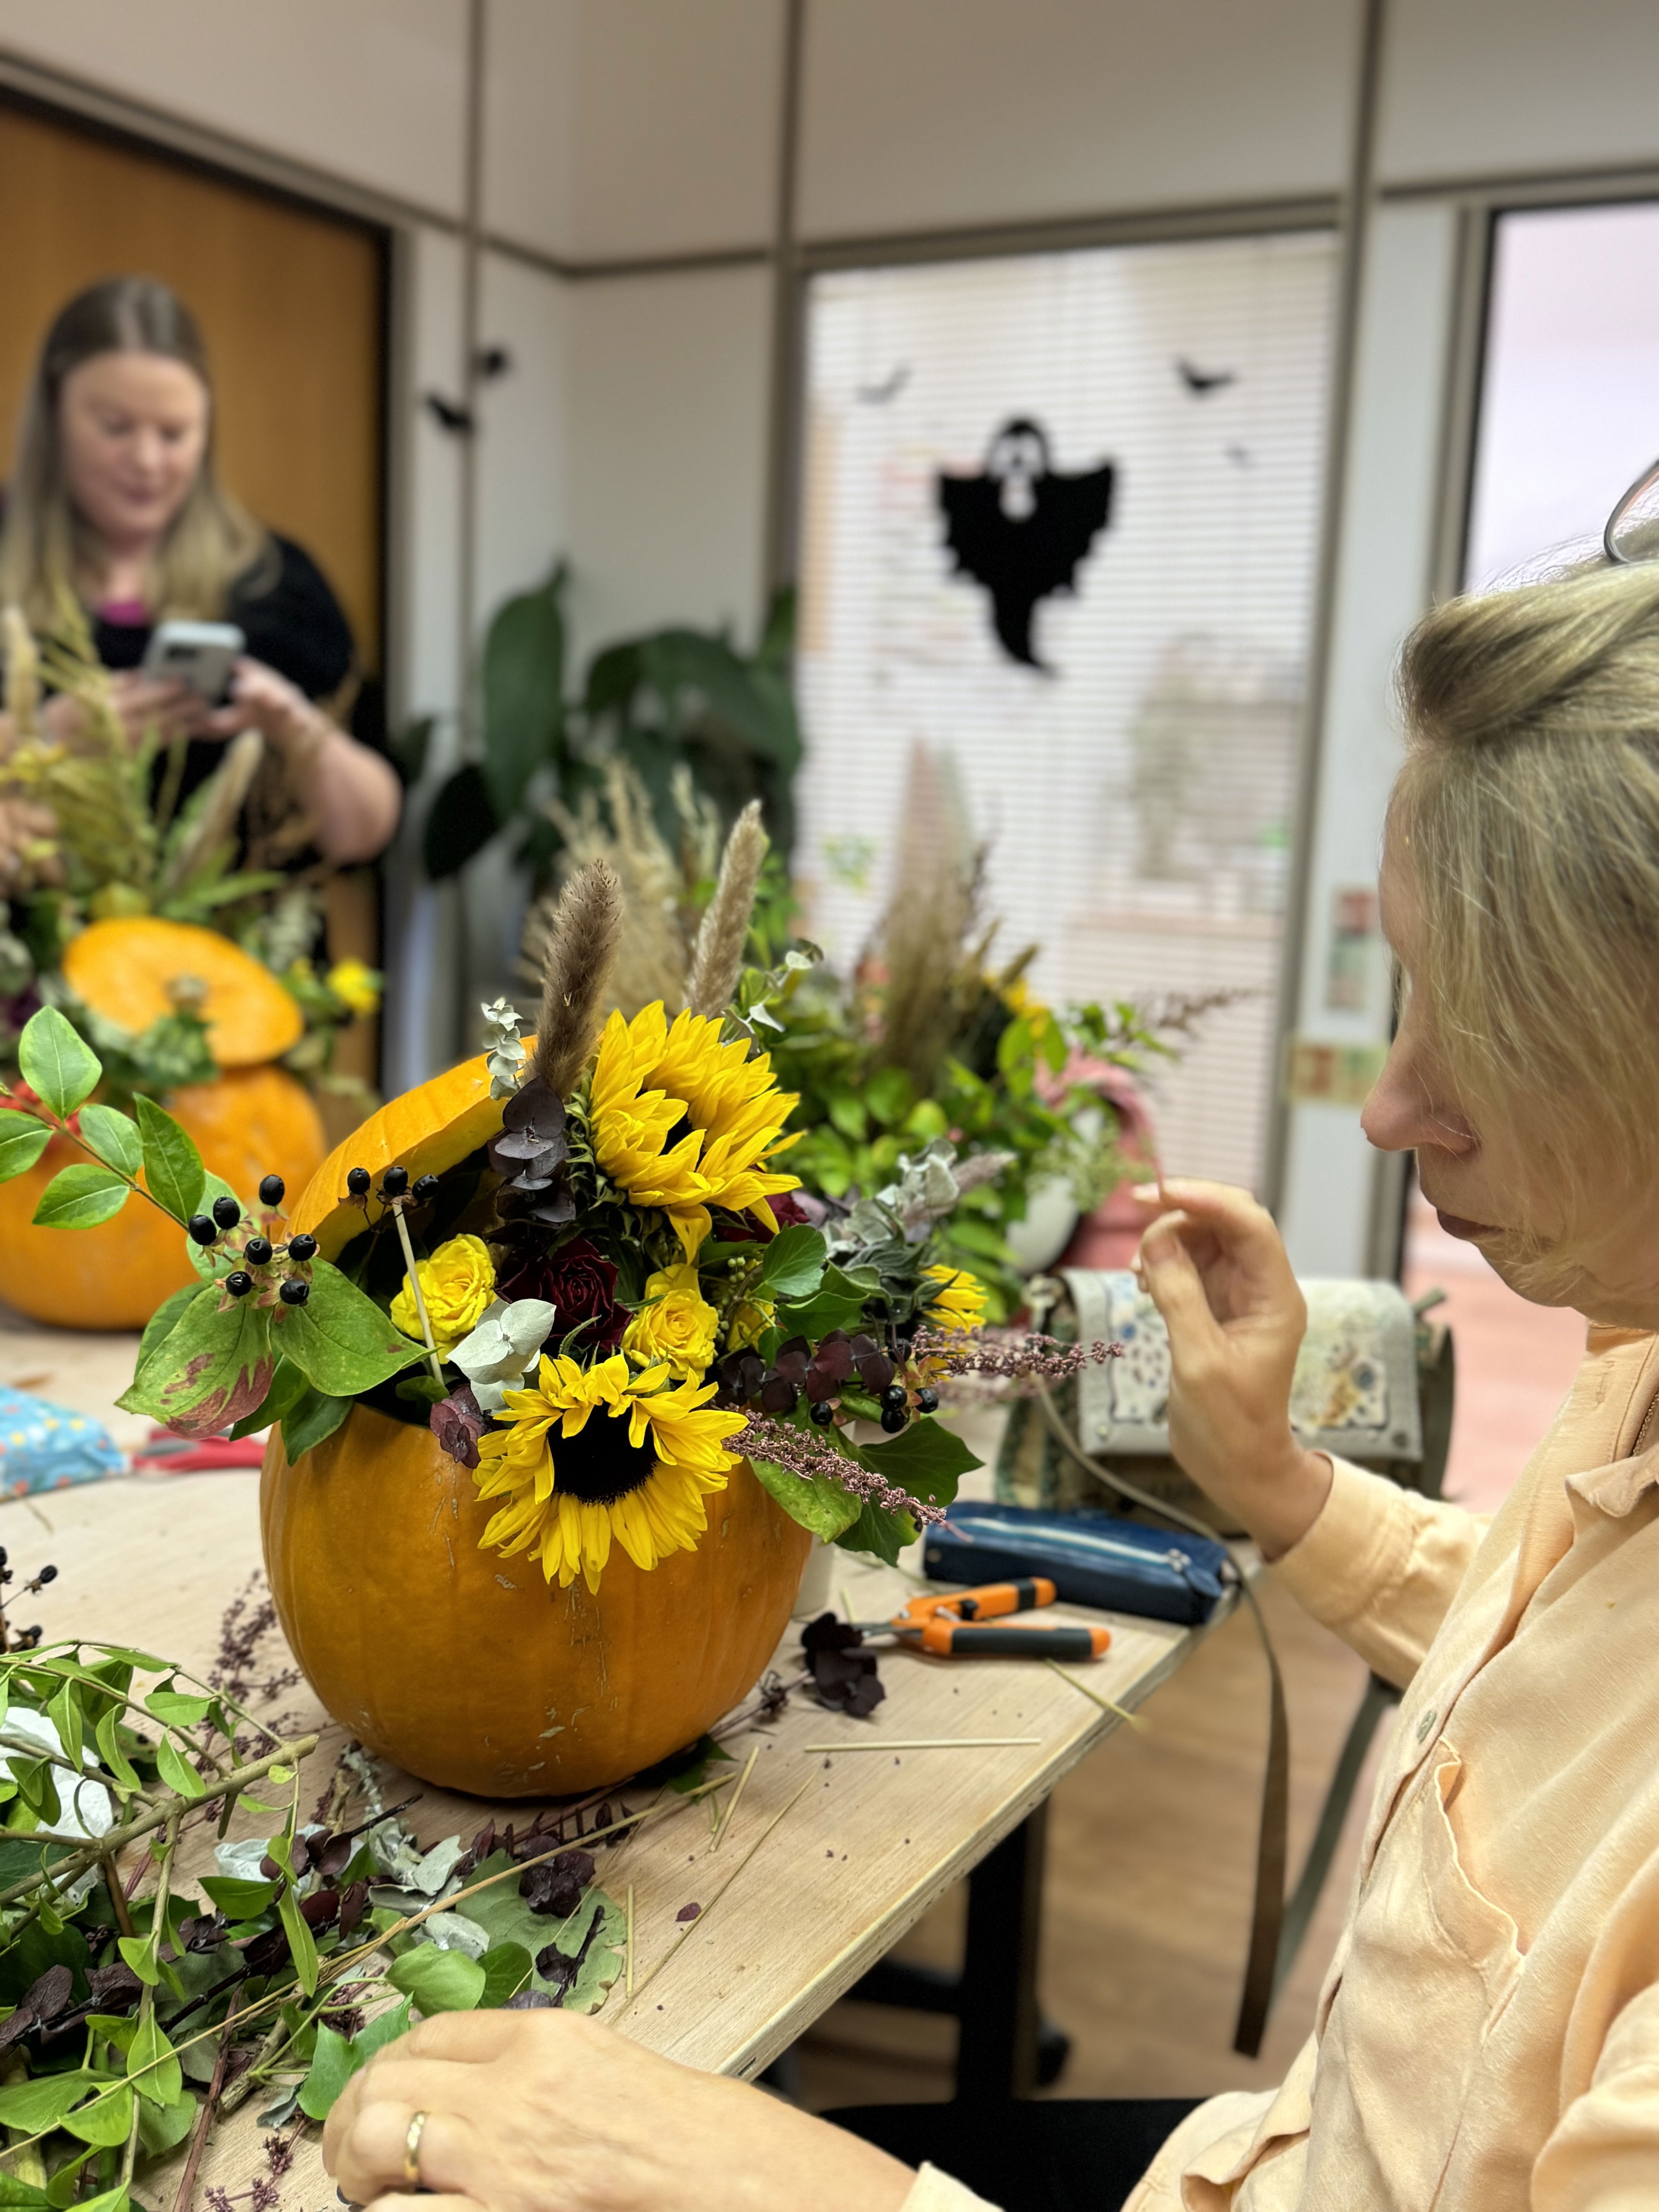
point(291, 302)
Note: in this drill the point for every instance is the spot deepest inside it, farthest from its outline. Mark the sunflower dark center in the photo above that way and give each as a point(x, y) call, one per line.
point(599, 1465)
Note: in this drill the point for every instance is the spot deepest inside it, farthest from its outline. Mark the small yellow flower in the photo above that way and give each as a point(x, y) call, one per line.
point(960, 1301)
point(356, 985)
point(458, 1282)
point(1023, 1005)
point(676, 1328)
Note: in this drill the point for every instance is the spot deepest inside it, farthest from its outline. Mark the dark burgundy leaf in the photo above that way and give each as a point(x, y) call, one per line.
point(861, 1346)
point(333, 1856)
point(875, 1372)
point(321, 1907)
point(779, 1396)
point(353, 1902)
point(267, 1952)
point(834, 1358)
point(458, 1422)
point(529, 2000)
point(688, 1912)
point(113, 1986)
point(818, 1386)
point(535, 1110)
point(556, 1886)
point(829, 1632)
point(553, 1967)
point(205, 1932)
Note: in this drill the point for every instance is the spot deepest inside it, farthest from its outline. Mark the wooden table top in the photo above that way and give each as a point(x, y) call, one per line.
point(832, 1853)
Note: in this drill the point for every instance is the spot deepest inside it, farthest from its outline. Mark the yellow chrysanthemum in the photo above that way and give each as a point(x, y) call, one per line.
point(722, 1110)
point(598, 1453)
point(677, 1328)
point(960, 1301)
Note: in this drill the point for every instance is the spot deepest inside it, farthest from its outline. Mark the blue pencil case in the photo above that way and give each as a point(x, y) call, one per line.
point(47, 1447)
point(1090, 1556)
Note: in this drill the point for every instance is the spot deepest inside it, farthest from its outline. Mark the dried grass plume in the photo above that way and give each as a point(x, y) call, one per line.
point(581, 951)
point(717, 961)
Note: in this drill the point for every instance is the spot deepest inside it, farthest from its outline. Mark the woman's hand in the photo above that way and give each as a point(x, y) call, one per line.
point(352, 794)
point(262, 700)
point(27, 854)
point(143, 702)
point(1219, 1275)
point(547, 2111)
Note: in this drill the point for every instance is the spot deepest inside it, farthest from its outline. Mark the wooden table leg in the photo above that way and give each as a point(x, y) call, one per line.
point(997, 2053)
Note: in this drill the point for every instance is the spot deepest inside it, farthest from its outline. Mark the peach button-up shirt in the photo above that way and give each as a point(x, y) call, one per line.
point(1487, 2038)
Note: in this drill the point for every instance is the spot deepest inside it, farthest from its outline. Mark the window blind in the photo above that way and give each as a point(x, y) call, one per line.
point(1135, 794)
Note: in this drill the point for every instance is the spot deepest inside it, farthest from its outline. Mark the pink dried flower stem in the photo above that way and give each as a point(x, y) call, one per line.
point(799, 1454)
point(1007, 1355)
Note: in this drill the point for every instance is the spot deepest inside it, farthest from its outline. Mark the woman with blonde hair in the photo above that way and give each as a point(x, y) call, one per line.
point(114, 502)
point(1487, 2038)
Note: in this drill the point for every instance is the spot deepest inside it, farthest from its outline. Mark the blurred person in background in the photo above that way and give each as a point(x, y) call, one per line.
point(114, 502)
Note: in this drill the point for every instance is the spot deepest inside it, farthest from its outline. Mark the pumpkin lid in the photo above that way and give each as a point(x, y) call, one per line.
point(133, 969)
point(426, 1130)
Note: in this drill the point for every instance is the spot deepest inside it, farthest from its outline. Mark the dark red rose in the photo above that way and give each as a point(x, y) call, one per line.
point(580, 1285)
point(787, 1209)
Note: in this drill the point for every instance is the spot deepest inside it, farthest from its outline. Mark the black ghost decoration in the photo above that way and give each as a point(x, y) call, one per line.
point(1021, 530)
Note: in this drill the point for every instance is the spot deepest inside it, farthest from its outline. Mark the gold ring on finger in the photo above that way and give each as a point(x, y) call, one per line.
point(412, 2151)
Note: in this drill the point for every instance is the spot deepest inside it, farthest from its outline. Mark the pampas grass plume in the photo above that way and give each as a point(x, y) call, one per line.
point(717, 961)
point(581, 951)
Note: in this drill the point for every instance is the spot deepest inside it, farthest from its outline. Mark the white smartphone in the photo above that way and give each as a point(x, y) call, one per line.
point(198, 654)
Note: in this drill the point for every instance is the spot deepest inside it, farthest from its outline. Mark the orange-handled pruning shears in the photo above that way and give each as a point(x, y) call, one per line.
point(948, 1624)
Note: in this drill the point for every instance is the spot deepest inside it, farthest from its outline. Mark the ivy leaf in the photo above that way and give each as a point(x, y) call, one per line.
point(22, 1140)
point(340, 1341)
point(173, 1166)
point(879, 1531)
point(81, 1196)
point(793, 1263)
point(57, 1061)
point(926, 1459)
point(817, 1501)
point(438, 1981)
point(312, 1422)
point(212, 1366)
point(114, 1137)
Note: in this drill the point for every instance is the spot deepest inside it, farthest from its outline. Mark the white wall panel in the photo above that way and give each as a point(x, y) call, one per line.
point(523, 430)
point(624, 128)
point(370, 91)
point(919, 115)
point(668, 465)
point(1383, 582)
point(1484, 88)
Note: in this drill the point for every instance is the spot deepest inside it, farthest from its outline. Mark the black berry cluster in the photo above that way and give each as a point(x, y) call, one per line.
point(267, 1264)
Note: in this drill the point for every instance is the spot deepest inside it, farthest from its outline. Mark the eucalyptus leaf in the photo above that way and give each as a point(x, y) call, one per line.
point(113, 1136)
point(22, 1140)
point(340, 1341)
point(56, 1060)
point(81, 1197)
point(173, 1166)
point(794, 1263)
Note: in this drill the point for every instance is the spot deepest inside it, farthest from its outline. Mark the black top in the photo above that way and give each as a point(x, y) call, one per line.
point(295, 625)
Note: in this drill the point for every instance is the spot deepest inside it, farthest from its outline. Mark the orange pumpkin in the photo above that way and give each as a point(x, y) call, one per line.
point(251, 1121)
point(134, 968)
point(426, 1130)
point(467, 1670)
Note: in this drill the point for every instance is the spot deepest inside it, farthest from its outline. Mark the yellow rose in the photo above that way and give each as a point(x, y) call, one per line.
point(676, 1328)
point(356, 985)
point(458, 1282)
point(959, 1302)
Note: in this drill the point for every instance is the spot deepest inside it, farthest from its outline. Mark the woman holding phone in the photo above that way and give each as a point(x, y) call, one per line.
point(114, 501)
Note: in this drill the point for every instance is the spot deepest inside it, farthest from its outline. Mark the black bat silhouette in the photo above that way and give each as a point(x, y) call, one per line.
point(1202, 382)
point(1021, 530)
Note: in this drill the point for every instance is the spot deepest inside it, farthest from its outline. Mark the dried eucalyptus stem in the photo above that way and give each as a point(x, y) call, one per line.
point(717, 961)
point(581, 951)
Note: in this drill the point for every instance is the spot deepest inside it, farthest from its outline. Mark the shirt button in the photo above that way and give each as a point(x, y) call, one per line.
point(1424, 1725)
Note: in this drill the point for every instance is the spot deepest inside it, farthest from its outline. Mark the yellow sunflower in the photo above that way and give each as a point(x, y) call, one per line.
point(960, 1301)
point(574, 1482)
point(683, 1122)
